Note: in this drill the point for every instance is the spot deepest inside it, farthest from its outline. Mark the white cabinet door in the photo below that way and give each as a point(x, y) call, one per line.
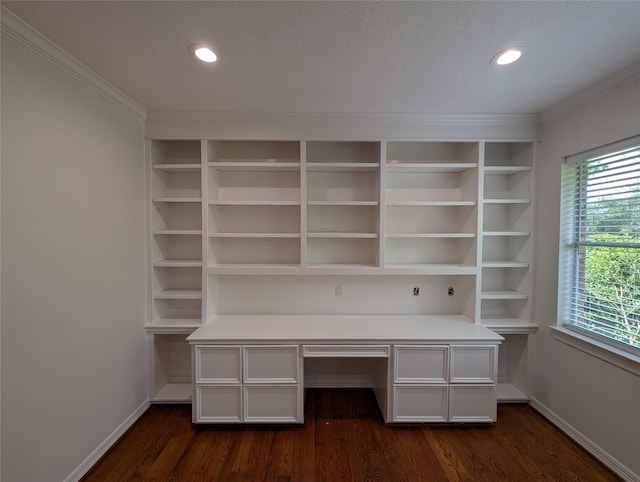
point(421, 364)
point(218, 364)
point(473, 364)
point(420, 403)
point(272, 404)
point(271, 364)
point(218, 403)
point(472, 403)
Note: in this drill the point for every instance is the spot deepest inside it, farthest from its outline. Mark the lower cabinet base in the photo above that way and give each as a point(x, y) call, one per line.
point(422, 383)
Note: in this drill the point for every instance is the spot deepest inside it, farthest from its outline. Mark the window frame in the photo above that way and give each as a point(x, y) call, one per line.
point(570, 273)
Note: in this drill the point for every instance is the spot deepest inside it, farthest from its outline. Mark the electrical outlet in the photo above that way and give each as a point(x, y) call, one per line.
point(338, 290)
point(416, 291)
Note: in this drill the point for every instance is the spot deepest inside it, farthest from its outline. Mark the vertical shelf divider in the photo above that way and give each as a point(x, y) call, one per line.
point(479, 230)
point(204, 170)
point(303, 203)
point(382, 198)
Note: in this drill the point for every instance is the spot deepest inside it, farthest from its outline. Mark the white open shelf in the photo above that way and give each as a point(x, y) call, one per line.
point(502, 170)
point(178, 295)
point(167, 199)
point(426, 167)
point(508, 393)
point(177, 167)
point(178, 232)
point(255, 165)
point(177, 263)
point(503, 295)
point(505, 233)
point(255, 235)
point(431, 235)
point(225, 202)
point(339, 166)
point(174, 393)
point(507, 200)
point(505, 264)
point(173, 325)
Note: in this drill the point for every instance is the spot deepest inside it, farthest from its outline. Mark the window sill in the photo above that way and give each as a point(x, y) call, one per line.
point(620, 358)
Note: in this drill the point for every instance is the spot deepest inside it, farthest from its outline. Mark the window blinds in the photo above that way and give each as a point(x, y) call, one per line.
point(601, 232)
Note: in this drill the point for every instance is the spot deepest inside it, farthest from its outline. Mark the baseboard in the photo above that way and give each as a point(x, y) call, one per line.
point(107, 443)
point(586, 443)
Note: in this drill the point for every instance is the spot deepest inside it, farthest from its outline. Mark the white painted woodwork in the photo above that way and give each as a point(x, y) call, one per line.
point(271, 364)
point(218, 403)
point(171, 368)
point(273, 227)
point(272, 404)
point(472, 403)
point(220, 364)
point(473, 364)
point(415, 403)
point(421, 364)
point(345, 351)
point(411, 362)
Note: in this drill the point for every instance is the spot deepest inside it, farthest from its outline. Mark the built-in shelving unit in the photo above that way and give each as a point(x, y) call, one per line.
point(243, 226)
point(505, 296)
point(176, 262)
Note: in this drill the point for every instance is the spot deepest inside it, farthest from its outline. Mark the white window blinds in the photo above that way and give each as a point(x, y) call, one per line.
point(600, 256)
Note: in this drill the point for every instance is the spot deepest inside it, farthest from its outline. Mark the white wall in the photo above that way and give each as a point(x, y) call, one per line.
point(74, 363)
point(593, 397)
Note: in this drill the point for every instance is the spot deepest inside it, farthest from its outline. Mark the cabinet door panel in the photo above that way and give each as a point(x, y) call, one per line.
point(473, 364)
point(422, 364)
point(272, 404)
point(473, 403)
point(219, 364)
point(271, 364)
point(219, 404)
point(420, 404)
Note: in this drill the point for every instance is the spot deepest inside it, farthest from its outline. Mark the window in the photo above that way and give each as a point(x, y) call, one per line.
point(600, 244)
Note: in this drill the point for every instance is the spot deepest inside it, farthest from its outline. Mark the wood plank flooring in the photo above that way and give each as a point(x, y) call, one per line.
point(344, 439)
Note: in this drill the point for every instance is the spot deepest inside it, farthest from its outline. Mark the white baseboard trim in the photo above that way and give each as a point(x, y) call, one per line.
point(107, 443)
point(586, 443)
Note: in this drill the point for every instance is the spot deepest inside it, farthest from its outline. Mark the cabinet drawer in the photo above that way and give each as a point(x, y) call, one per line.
point(271, 364)
point(421, 364)
point(219, 404)
point(473, 364)
point(272, 403)
point(420, 403)
point(218, 364)
point(473, 403)
point(346, 351)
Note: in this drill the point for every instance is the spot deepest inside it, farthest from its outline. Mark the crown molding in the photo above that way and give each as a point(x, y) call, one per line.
point(336, 125)
point(589, 95)
point(28, 37)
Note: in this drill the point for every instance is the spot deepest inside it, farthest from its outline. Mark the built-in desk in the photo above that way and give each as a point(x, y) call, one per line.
point(251, 368)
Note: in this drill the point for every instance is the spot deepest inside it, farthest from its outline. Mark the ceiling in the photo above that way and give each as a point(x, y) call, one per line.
point(344, 56)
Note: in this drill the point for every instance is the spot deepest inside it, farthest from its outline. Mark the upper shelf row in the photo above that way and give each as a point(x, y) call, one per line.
point(400, 156)
point(341, 172)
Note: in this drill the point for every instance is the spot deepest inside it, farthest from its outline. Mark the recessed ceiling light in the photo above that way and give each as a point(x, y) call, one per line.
point(203, 53)
point(507, 56)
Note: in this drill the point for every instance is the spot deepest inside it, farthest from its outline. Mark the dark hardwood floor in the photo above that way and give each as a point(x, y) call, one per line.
point(344, 439)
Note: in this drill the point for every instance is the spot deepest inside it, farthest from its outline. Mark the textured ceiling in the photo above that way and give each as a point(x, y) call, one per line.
point(356, 56)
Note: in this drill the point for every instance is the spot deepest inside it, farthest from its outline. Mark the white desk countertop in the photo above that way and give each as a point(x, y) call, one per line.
point(341, 329)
